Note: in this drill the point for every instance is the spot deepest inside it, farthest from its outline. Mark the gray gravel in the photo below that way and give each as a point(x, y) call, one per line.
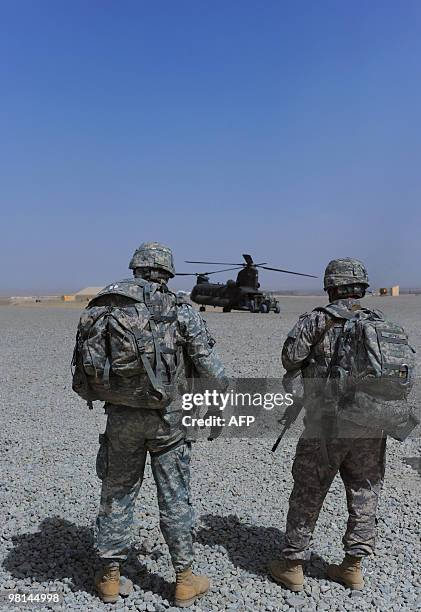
point(49, 490)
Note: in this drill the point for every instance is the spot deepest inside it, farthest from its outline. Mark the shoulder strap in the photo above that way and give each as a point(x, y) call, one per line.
point(146, 293)
point(337, 312)
point(330, 323)
point(156, 377)
point(335, 315)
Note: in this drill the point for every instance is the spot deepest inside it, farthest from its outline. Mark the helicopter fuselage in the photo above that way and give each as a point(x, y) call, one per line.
point(233, 295)
point(242, 294)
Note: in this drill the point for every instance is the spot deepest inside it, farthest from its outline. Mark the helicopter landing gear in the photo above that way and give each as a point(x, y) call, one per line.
point(202, 309)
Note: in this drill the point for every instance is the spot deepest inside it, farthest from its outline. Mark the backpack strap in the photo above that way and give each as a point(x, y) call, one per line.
point(331, 322)
point(106, 374)
point(147, 294)
point(334, 317)
point(164, 318)
point(154, 379)
point(337, 312)
point(81, 370)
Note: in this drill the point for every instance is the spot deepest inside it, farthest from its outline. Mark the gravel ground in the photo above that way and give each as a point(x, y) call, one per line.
point(49, 490)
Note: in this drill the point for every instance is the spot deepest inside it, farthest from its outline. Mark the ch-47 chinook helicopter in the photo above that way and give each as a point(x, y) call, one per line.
point(242, 294)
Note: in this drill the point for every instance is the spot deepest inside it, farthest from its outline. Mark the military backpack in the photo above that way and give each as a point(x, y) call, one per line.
point(371, 372)
point(128, 350)
point(372, 355)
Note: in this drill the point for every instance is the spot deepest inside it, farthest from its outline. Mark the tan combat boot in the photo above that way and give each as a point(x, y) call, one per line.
point(110, 584)
point(288, 573)
point(348, 573)
point(189, 587)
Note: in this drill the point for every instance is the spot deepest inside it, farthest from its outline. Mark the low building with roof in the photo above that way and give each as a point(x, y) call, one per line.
point(84, 295)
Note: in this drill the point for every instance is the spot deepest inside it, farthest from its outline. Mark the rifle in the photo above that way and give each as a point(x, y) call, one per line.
point(293, 383)
point(288, 419)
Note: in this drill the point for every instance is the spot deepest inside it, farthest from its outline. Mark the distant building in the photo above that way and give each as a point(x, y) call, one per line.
point(393, 291)
point(36, 299)
point(84, 295)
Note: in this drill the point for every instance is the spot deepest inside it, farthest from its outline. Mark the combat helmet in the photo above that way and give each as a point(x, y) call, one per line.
point(346, 271)
point(153, 255)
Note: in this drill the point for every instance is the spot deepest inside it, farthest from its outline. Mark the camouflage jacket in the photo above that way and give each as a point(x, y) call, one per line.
point(311, 342)
point(310, 346)
point(200, 354)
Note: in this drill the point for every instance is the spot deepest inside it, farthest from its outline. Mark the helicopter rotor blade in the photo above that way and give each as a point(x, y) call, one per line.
point(248, 258)
point(225, 270)
point(288, 272)
point(215, 263)
point(250, 262)
point(204, 273)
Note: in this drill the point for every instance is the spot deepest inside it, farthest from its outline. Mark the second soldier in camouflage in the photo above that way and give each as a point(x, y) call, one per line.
point(358, 456)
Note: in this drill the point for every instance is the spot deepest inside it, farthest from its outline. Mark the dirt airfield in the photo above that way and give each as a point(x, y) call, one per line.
point(50, 492)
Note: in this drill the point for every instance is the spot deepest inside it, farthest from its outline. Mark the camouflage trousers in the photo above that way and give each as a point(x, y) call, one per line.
point(361, 465)
point(129, 435)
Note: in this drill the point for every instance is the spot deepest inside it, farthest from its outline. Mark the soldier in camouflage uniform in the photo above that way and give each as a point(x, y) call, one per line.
point(357, 454)
point(130, 434)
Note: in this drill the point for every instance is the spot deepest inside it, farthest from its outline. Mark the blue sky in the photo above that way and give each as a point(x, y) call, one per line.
point(289, 130)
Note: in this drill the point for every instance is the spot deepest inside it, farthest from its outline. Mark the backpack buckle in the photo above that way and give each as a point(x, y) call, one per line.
point(140, 347)
point(404, 373)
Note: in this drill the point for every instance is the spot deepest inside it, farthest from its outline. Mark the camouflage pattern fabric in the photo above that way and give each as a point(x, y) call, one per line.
point(346, 271)
point(359, 457)
point(199, 345)
point(153, 255)
point(127, 346)
point(361, 464)
point(308, 342)
point(360, 354)
point(130, 434)
point(373, 355)
point(131, 353)
point(120, 465)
